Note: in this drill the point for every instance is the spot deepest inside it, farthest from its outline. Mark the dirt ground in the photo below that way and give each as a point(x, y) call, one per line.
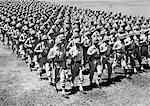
point(20, 87)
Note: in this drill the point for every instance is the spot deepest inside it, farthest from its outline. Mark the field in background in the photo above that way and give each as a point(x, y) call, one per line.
point(128, 7)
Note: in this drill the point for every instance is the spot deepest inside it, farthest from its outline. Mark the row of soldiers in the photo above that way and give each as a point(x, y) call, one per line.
point(69, 41)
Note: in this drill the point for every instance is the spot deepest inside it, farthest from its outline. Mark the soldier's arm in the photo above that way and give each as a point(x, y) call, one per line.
point(133, 49)
point(27, 43)
point(69, 44)
point(82, 60)
point(51, 54)
point(21, 38)
point(38, 48)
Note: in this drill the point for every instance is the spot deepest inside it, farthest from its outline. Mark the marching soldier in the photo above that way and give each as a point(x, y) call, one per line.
point(119, 54)
point(22, 39)
point(130, 50)
point(76, 53)
point(29, 46)
point(148, 48)
point(86, 43)
point(105, 53)
point(143, 50)
point(43, 60)
point(94, 60)
point(5, 29)
point(57, 54)
point(16, 41)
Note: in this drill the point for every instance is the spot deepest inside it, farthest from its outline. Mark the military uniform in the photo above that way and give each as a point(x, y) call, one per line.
point(131, 49)
point(21, 45)
point(76, 53)
point(143, 50)
point(94, 60)
point(16, 41)
point(57, 54)
point(119, 56)
point(105, 60)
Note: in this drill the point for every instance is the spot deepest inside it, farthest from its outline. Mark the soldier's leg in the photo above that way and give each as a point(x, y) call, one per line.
point(99, 73)
point(11, 43)
point(13, 46)
point(74, 72)
point(0, 36)
point(8, 42)
point(47, 69)
point(63, 81)
point(139, 58)
point(133, 64)
point(17, 49)
point(148, 55)
point(114, 64)
point(39, 69)
point(124, 66)
point(81, 79)
point(54, 70)
point(20, 49)
point(3, 38)
point(23, 54)
point(35, 60)
point(92, 70)
point(109, 70)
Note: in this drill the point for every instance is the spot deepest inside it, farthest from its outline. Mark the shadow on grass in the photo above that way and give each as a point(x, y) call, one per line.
point(94, 85)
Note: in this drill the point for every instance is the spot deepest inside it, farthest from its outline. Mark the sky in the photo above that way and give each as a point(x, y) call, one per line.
point(127, 7)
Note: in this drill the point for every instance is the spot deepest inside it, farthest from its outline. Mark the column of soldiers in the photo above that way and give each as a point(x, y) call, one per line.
point(59, 39)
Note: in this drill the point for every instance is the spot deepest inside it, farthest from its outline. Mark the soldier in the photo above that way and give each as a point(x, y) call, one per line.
point(29, 46)
point(86, 43)
point(148, 48)
point(3, 33)
point(94, 60)
point(119, 54)
point(39, 60)
point(5, 29)
point(143, 50)
point(57, 54)
point(76, 53)
point(43, 61)
point(130, 47)
point(16, 41)
point(11, 32)
point(105, 53)
point(22, 39)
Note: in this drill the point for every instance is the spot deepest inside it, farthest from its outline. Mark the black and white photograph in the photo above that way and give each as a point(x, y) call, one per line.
point(74, 52)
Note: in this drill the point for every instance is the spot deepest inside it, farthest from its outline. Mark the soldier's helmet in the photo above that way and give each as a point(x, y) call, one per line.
point(32, 32)
point(128, 28)
point(136, 28)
